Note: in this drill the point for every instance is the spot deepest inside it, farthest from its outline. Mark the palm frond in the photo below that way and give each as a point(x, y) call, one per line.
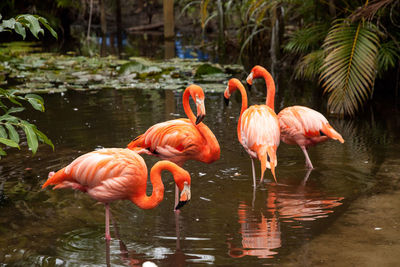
point(349, 68)
point(369, 10)
point(305, 39)
point(309, 66)
point(388, 56)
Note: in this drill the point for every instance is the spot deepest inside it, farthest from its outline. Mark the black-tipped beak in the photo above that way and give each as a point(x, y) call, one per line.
point(199, 119)
point(180, 204)
point(249, 87)
point(226, 101)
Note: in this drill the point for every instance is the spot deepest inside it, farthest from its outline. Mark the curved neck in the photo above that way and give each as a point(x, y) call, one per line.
point(269, 82)
point(141, 199)
point(211, 142)
point(240, 87)
point(186, 107)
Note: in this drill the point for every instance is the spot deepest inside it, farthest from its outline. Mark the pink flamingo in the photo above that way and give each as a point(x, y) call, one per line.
point(181, 139)
point(299, 125)
point(258, 130)
point(115, 173)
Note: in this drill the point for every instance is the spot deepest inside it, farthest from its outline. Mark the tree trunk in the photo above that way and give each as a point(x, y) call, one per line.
point(103, 23)
point(90, 19)
point(119, 25)
point(169, 23)
point(221, 27)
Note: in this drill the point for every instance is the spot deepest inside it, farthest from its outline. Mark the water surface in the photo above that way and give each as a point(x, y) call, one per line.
point(226, 222)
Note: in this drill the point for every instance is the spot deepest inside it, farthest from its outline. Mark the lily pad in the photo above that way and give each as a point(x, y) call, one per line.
point(206, 69)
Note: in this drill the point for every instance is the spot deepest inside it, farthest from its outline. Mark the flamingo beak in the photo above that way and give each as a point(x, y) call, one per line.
point(199, 119)
point(201, 110)
point(226, 96)
point(185, 196)
point(226, 101)
point(249, 80)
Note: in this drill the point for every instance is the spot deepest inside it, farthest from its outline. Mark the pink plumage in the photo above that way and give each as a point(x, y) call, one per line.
point(114, 173)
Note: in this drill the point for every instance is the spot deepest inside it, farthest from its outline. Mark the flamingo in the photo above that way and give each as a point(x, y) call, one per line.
point(115, 173)
point(257, 130)
point(180, 140)
point(299, 125)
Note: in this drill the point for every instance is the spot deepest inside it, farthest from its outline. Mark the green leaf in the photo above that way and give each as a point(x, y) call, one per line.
point(2, 152)
point(13, 100)
point(8, 142)
point(43, 138)
point(3, 132)
point(32, 23)
point(48, 27)
point(9, 23)
point(36, 104)
point(35, 96)
point(9, 118)
point(12, 133)
point(30, 136)
point(20, 30)
point(15, 110)
point(4, 107)
point(36, 101)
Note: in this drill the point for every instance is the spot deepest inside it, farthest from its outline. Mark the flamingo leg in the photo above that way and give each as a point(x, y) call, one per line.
point(306, 177)
point(254, 197)
point(176, 198)
point(254, 172)
point(177, 231)
point(108, 236)
point(308, 161)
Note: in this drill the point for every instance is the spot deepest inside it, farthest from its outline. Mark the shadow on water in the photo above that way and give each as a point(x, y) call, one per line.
point(225, 222)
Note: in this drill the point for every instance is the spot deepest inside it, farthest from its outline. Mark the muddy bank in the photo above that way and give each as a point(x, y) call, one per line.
point(367, 234)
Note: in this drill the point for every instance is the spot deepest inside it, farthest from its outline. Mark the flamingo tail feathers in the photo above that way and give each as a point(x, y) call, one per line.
point(268, 160)
point(328, 130)
point(56, 178)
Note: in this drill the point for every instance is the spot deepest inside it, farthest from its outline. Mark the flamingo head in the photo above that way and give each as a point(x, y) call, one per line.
point(233, 85)
point(227, 95)
point(197, 95)
point(182, 180)
point(256, 72)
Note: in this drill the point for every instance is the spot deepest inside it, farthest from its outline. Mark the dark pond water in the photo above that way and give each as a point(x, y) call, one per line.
point(226, 223)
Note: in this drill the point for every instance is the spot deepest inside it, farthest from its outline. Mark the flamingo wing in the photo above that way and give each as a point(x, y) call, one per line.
point(171, 140)
point(299, 122)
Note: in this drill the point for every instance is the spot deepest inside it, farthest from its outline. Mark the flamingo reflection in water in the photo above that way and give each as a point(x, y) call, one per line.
point(261, 229)
point(136, 259)
point(260, 235)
